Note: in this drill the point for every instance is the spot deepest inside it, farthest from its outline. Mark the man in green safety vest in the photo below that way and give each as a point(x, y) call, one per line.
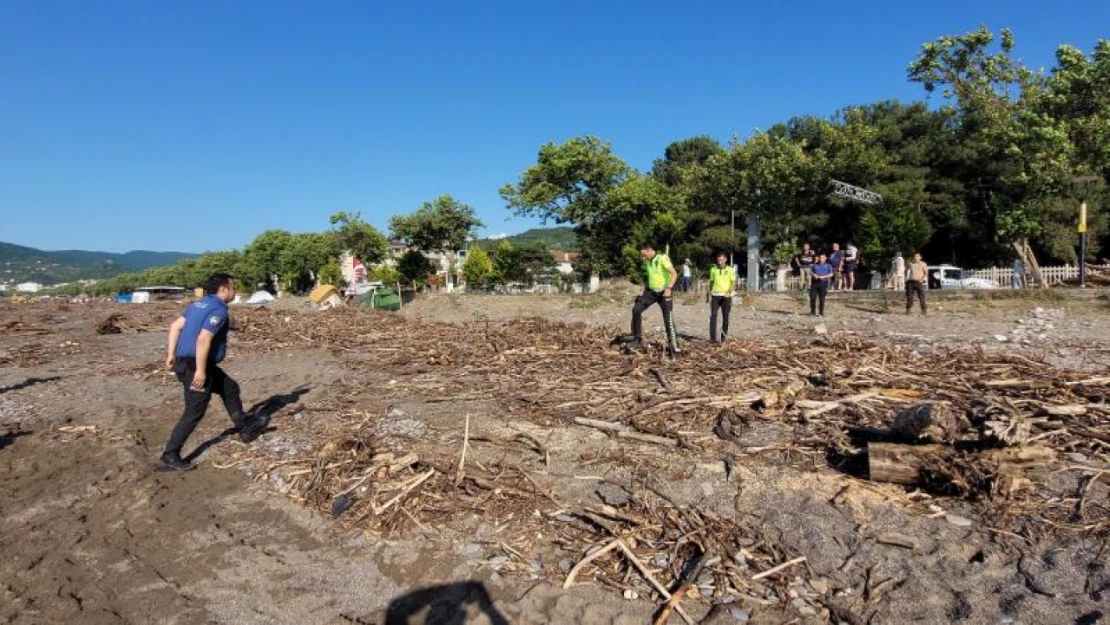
point(722, 286)
point(660, 279)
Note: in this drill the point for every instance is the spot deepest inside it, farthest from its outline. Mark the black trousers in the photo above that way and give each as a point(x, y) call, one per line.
point(724, 304)
point(817, 292)
point(912, 287)
point(196, 402)
point(645, 301)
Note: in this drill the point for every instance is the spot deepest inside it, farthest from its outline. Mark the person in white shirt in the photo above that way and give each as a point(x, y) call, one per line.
point(898, 272)
point(851, 262)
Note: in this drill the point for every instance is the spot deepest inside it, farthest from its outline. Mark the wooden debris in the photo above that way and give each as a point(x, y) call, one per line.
point(817, 401)
point(897, 540)
point(900, 464)
point(928, 422)
point(908, 464)
point(776, 569)
point(687, 582)
point(624, 431)
point(118, 323)
point(1071, 410)
point(78, 429)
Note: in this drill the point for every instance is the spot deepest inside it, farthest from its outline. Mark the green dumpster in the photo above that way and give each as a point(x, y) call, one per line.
point(380, 298)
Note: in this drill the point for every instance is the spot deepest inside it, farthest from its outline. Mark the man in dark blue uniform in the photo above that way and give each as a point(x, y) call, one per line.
point(823, 273)
point(197, 344)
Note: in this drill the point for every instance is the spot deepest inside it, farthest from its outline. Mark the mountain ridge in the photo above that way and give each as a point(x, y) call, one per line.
point(20, 263)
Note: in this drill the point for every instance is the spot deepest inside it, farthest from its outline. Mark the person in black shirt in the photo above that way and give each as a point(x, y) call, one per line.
point(804, 262)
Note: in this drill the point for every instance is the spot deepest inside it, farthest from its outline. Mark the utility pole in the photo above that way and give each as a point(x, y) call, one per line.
point(753, 246)
point(753, 254)
point(732, 240)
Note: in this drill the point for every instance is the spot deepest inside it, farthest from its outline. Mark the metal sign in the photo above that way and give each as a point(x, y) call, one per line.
point(855, 194)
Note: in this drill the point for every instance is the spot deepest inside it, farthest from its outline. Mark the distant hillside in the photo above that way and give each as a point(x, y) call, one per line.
point(561, 238)
point(27, 264)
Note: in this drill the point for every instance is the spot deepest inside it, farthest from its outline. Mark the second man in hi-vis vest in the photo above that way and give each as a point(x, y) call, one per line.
point(660, 279)
point(722, 288)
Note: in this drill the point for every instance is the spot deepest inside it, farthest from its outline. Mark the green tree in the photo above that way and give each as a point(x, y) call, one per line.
point(303, 258)
point(386, 274)
point(360, 238)
point(332, 274)
point(262, 257)
point(1018, 153)
point(641, 210)
point(769, 176)
point(520, 263)
point(890, 227)
point(414, 267)
point(682, 155)
point(477, 269)
point(442, 225)
point(569, 184)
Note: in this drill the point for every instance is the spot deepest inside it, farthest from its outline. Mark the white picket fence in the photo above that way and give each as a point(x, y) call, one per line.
point(1005, 277)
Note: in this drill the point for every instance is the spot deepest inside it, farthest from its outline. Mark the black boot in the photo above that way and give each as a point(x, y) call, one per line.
point(174, 462)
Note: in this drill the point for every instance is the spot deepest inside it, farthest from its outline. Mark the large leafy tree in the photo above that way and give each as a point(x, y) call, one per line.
point(768, 176)
point(641, 210)
point(303, 258)
point(414, 267)
point(442, 225)
point(361, 238)
point(520, 263)
point(1015, 154)
point(569, 184)
point(681, 155)
point(262, 256)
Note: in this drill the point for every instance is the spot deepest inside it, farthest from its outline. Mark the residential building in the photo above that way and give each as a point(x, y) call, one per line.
point(565, 261)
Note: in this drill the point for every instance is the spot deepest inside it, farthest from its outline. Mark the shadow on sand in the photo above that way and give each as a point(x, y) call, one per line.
point(446, 604)
point(267, 407)
point(27, 383)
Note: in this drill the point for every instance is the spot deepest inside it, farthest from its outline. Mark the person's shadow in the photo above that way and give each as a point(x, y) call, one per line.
point(268, 407)
point(446, 604)
point(9, 438)
point(28, 383)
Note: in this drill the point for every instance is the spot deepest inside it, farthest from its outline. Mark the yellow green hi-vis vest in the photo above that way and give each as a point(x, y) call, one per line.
point(721, 281)
point(658, 272)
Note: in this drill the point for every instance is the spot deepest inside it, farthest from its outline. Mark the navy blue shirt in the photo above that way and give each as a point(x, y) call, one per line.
point(822, 271)
point(836, 258)
point(209, 313)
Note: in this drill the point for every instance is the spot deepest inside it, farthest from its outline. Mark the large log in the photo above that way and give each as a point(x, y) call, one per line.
point(902, 464)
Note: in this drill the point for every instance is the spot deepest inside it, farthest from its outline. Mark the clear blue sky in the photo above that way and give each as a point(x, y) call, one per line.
point(196, 125)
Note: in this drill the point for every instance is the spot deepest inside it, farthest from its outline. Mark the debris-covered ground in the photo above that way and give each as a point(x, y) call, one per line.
point(500, 457)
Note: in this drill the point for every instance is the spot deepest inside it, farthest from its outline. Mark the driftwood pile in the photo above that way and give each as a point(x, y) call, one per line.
point(1026, 443)
point(119, 323)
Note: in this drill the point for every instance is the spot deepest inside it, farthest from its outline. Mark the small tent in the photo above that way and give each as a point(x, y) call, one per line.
point(380, 298)
point(260, 297)
point(325, 296)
